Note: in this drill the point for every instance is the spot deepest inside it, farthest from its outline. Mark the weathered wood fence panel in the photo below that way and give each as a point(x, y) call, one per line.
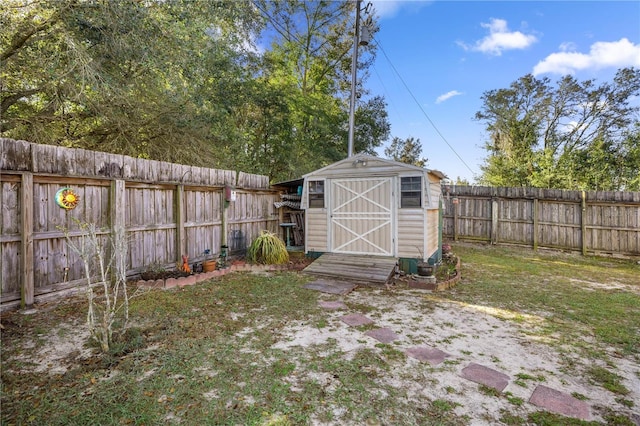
point(165, 209)
point(515, 221)
point(150, 225)
point(11, 237)
point(594, 222)
point(613, 228)
point(249, 215)
point(203, 221)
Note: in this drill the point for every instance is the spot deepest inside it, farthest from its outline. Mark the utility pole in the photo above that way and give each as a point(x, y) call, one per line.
point(354, 75)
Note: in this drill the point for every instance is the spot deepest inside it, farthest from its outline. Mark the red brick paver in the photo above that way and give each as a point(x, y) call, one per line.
point(427, 354)
point(384, 335)
point(485, 376)
point(355, 320)
point(559, 402)
point(332, 305)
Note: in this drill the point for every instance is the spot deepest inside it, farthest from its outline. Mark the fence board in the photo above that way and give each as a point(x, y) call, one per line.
point(10, 212)
point(517, 221)
point(10, 223)
point(153, 193)
point(611, 219)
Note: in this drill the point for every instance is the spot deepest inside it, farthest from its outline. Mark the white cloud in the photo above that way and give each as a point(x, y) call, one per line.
point(448, 95)
point(389, 8)
point(618, 54)
point(386, 9)
point(567, 46)
point(500, 39)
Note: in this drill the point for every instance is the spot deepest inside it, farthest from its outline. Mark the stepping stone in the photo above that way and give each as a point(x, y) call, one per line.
point(330, 286)
point(427, 354)
point(485, 376)
point(355, 320)
point(384, 335)
point(332, 305)
point(559, 402)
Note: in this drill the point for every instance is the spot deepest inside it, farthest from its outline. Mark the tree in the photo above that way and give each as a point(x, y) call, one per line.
point(104, 265)
point(562, 137)
point(183, 81)
point(407, 151)
point(461, 181)
point(371, 125)
point(310, 60)
point(149, 79)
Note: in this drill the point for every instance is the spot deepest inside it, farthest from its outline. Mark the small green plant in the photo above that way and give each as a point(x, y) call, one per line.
point(607, 379)
point(268, 249)
point(450, 389)
point(515, 400)
point(488, 390)
point(511, 419)
point(442, 405)
point(521, 379)
point(578, 395)
point(626, 402)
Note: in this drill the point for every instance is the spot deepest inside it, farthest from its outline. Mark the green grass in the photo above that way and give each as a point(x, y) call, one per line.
point(609, 380)
point(205, 354)
point(555, 288)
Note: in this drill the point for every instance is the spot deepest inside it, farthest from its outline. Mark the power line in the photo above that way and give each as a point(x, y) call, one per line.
point(420, 106)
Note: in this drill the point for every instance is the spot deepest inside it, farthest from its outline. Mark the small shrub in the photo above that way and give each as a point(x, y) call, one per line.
point(104, 265)
point(268, 249)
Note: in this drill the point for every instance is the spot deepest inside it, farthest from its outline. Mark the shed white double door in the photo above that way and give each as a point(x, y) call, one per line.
point(362, 216)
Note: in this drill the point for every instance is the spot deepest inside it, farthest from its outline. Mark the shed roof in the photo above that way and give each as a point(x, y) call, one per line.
point(372, 163)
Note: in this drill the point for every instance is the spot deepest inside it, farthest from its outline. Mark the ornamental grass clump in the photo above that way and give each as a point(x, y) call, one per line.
point(268, 249)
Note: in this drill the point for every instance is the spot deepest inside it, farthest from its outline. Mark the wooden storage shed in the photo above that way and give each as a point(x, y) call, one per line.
point(365, 205)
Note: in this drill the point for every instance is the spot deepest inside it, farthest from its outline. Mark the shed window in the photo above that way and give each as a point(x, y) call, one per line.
point(316, 194)
point(411, 192)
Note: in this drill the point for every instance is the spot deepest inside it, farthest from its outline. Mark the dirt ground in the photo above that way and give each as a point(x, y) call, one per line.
point(467, 333)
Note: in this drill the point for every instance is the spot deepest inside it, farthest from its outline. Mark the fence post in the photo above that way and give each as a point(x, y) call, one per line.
point(27, 288)
point(224, 226)
point(180, 236)
point(494, 220)
point(118, 198)
point(583, 223)
point(454, 203)
point(535, 224)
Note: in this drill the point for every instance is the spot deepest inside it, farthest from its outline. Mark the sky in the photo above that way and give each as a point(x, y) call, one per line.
point(437, 58)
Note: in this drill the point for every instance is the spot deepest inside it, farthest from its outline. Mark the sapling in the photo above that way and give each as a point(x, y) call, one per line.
point(103, 260)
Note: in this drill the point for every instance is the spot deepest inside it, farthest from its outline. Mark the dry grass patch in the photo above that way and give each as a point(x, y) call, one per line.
point(256, 349)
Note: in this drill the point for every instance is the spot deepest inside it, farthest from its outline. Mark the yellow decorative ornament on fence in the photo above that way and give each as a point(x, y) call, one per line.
point(67, 198)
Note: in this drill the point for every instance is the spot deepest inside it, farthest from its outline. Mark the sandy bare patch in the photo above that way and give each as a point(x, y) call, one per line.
point(499, 339)
point(55, 350)
point(504, 340)
point(613, 285)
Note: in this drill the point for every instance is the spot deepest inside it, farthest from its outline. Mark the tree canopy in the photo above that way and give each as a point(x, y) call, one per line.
point(576, 135)
point(258, 86)
point(407, 151)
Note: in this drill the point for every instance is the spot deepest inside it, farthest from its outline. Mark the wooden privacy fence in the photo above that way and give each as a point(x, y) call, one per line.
point(166, 210)
point(593, 222)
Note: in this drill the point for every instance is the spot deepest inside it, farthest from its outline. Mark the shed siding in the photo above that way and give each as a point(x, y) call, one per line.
point(431, 243)
point(350, 224)
point(435, 191)
point(411, 233)
point(316, 230)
